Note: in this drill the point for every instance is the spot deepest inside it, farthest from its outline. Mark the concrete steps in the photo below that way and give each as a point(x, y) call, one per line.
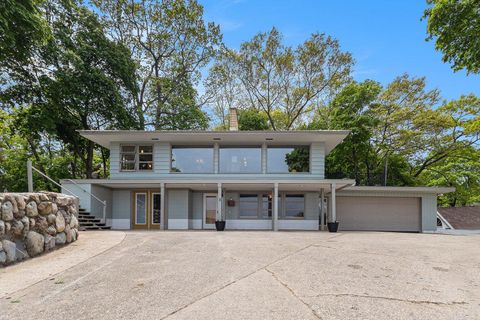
point(89, 222)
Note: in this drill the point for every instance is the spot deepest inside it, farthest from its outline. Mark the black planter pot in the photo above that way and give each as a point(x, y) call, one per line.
point(220, 225)
point(332, 226)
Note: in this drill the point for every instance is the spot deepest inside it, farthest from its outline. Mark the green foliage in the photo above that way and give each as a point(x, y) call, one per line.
point(180, 111)
point(455, 26)
point(252, 119)
point(21, 28)
point(298, 160)
point(168, 40)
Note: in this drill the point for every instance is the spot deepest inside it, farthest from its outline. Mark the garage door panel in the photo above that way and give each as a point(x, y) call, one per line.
point(378, 213)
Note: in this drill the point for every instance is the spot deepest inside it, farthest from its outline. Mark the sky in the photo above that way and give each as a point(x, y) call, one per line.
point(385, 37)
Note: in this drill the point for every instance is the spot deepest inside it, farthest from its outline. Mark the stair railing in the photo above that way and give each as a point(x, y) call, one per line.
point(103, 202)
point(31, 168)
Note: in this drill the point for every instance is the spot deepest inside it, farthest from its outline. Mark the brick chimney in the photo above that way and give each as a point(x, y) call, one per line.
point(233, 119)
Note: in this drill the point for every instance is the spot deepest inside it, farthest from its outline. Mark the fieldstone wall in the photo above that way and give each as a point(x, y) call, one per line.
point(33, 223)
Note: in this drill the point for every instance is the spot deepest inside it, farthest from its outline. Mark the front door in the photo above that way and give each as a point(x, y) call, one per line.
point(209, 210)
point(146, 209)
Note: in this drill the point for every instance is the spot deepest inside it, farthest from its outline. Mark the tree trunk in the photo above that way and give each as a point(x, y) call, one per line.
point(89, 160)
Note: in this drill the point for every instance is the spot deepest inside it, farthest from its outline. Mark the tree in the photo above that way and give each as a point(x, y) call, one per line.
point(21, 28)
point(169, 40)
point(78, 79)
point(252, 119)
point(284, 82)
point(462, 172)
point(350, 109)
point(455, 26)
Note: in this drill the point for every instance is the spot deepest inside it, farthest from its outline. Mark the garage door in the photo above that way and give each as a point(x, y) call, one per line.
point(379, 213)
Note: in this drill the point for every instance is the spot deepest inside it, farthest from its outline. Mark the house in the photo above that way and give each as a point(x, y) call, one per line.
point(264, 180)
point(463, 218)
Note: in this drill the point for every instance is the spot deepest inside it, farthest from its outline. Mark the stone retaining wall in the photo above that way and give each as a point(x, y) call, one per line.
point(33, 223)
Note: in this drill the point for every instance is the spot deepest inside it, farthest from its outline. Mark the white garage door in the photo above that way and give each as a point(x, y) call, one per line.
point(379, 213)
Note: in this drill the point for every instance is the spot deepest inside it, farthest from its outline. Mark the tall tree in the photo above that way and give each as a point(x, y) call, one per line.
point(78, 79)
point(351, 109)
point(455, 27)
point(285, 82)
point(169, 40)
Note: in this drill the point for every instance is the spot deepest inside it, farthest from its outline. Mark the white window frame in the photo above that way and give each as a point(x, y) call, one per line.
point(136, 157)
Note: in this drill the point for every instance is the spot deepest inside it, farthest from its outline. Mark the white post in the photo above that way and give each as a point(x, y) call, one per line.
point(334, 209)
point(162, 206)
point(322, 209)
point(275, 207)
point(219, 202)
point(29, 175)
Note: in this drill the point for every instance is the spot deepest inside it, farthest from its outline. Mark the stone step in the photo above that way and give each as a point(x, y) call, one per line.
point(86, 217)
point(86, 228)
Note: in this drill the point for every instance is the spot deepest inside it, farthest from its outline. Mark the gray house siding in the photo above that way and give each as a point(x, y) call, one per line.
point(121, 209)
point(178, 208)
point(317, 159)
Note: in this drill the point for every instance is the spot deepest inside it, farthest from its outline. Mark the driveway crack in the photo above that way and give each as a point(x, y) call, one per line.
point(292, 292)
point(438, 303)
point(237, 280)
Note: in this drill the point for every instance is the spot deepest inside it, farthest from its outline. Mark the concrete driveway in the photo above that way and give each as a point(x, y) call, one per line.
point(260, 275)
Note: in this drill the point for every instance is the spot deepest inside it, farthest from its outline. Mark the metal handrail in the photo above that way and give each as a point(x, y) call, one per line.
point(103, 202)
point(30, 187)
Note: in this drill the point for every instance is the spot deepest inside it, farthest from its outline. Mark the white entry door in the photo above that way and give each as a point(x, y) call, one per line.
point(209, 210)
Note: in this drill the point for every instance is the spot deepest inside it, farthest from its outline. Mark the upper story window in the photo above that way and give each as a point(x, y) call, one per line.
point(240, 160)
point(288, 159)
point(192, 159)
point(133, 158)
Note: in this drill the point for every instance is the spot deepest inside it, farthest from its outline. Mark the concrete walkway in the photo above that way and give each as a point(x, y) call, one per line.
point(262, 275)
point(22, 275)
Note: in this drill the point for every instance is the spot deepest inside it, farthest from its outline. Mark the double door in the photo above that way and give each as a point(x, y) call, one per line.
point(146, 209)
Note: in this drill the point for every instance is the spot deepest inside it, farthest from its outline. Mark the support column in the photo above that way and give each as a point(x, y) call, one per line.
point(322, 209)
point(29, 175)
point(218, 217)
point(334, 201)
point(275, 208)
point(162, 206)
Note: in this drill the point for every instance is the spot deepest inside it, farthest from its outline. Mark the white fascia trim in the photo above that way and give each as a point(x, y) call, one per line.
point(177, 224)
point(298, 224)
point(120, 224)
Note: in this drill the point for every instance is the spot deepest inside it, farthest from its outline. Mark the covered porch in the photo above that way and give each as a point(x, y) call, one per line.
point(243, 204)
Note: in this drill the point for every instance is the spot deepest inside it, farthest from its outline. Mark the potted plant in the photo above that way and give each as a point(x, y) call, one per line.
point(220, 225)
point(332, 226)
point(219, 222)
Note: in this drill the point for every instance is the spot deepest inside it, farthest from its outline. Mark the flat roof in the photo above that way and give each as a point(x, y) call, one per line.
point(331, 138)
point(391, 189)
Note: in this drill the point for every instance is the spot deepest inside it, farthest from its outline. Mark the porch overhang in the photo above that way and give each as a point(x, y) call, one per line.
point(331, 138)
point(229, 184)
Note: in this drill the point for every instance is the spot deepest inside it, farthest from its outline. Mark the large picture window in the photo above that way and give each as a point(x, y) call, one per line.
point(294, 206)
point(248, 206)
point(192, 160)
point(240, 160)
point(288, 159)
point(133, 158)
